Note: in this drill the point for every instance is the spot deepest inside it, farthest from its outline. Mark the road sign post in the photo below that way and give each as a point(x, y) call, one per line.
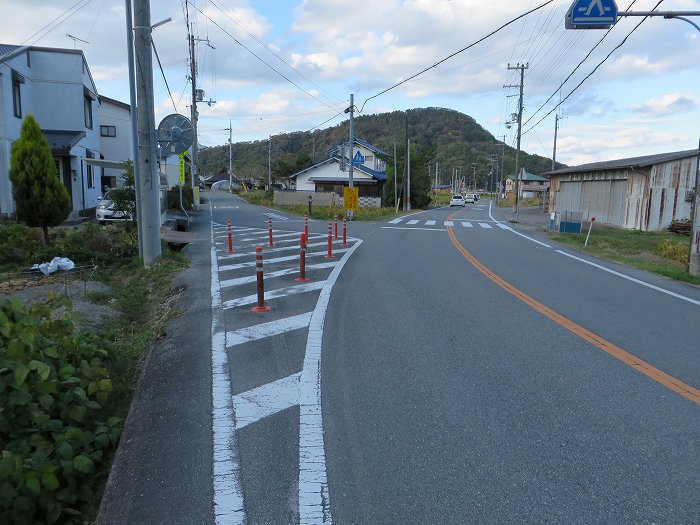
point(351, 198)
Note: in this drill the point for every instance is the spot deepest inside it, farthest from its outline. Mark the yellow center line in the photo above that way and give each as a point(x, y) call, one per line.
point(639, 365)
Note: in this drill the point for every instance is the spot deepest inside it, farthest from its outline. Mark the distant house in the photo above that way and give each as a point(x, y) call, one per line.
point(642, 193)
point(332, 174)
point(54, 85)
point(531, 185)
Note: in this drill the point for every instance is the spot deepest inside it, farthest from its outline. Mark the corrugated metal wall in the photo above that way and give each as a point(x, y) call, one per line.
point(643, 199)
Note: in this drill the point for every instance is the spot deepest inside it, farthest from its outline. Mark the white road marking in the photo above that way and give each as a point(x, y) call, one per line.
point(467, 224)
point(266, 400)
point(276, 260)
point(412, 222)
point(449, 223)
point(643, 283)
point(503, 226)
point(485, 225)
point(262, 330)
point(530, 238)
point(274, 294)
point(396, 221)
point(314, 499)
point(274, 250)
point(430, 223)
point(229, 506)
point(418, 229)
point(279, 273)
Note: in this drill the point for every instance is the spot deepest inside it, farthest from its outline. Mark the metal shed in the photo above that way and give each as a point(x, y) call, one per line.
point(642, 193)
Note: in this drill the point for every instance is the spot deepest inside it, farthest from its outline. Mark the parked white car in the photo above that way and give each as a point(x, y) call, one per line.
point(457, 200)
point(106, 211)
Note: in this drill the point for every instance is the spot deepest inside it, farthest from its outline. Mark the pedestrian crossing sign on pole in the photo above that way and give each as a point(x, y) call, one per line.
point(351, 198)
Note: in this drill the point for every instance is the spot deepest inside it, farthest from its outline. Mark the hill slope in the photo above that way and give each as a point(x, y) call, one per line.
point(454, 140)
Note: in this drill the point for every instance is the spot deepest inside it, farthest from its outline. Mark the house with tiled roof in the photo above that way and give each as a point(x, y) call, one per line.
point(54, 85)
point(332, 174)
point(531, 185)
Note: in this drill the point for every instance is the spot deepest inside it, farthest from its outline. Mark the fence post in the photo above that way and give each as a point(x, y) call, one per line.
point(230, 238)
point(345, 231)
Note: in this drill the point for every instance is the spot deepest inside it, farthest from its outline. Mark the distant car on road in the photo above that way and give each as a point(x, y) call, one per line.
point(457, 200)
point(469, 197)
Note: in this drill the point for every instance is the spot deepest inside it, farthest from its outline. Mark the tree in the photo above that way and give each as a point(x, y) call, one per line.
point(41, 198)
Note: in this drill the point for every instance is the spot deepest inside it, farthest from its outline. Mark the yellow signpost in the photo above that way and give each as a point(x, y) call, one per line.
point(351, 198)
point(182, 168)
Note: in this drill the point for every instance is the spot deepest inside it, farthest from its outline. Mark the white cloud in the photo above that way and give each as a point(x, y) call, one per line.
point(667, 105)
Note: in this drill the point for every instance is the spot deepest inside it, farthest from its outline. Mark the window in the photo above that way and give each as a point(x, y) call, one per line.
point(17, 81)
point(108, 131)
point(90, 170)
point(369, 158)
point(88, 111)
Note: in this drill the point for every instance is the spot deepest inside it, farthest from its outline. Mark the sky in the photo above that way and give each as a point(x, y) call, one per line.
point(278, 66)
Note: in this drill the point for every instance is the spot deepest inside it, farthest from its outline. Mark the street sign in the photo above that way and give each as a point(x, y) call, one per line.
point(182, 168)
point(358, 158)
point(351, 198)
point(591, 14)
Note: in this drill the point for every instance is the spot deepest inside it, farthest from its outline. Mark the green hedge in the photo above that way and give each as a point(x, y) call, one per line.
point(54, 443)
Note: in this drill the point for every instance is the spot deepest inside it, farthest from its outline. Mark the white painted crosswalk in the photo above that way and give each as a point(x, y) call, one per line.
point(422, 224)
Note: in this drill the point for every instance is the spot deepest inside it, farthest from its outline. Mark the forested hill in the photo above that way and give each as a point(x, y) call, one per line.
point(451, 138)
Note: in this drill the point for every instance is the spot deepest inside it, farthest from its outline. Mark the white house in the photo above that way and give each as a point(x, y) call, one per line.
point(54, 85)
point(531, 185)
point(332, 174)
point(115, 139)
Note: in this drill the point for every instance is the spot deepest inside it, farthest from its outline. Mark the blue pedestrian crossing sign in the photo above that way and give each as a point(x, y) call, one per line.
point(358, 158)
point(592, 14)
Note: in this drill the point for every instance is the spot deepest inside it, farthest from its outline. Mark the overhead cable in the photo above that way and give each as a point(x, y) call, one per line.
point(458, 52)
point(618, 46)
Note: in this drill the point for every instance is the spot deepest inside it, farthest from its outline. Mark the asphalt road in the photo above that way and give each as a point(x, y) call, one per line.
point(466, 371)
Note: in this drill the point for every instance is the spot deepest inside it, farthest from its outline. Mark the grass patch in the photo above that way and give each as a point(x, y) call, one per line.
point(662, 253)
point(144, 296)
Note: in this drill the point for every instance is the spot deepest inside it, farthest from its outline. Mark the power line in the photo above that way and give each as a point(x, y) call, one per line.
point(272, 51)
point(618, 46)
point(160, 66)
point(458, 52)
point(57, 21)
point(262, 60)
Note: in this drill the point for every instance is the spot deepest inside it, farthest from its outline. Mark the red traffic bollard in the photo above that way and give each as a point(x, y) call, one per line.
point(230, 238)
point(302, 260)
point(335, 226)
point(345, 232)
point(269, 229)
point(306, 227)
point(261, 306)
point(330, 242)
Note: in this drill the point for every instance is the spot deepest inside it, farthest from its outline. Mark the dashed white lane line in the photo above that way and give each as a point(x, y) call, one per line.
point(503, 226)
point(467, 224)
point(262, 330)
point(266, 400)
point(449, 223)
point(427, 223)
point(412, 222)
point(229, 506)
point(396, 221)
point(485, 225)
point(274, 294)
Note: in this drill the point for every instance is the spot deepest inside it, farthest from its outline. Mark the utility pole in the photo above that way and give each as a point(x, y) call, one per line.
point(269, 162)
point(554, 151)
point(436, 182)
point(395, 190)
point(194, 115)
point(230, 156)
point(408, 179)
point(694, 257)
point(134, 123)
point(351, 110)
point(149, 183)
point(521, 68)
